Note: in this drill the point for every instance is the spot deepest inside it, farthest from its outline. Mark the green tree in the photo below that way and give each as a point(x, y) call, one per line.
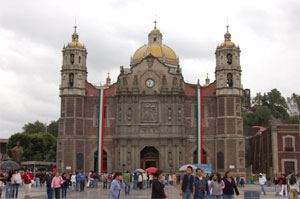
point(35, 127)
point(277, 104)
point(53, 128)
point(37, 146)
point(260, 117)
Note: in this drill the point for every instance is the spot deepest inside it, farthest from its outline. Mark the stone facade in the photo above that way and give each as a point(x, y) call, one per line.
point(150, 112)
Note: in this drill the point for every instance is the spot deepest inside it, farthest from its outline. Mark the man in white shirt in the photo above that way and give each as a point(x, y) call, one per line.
point(145, 178)
point(262, 181)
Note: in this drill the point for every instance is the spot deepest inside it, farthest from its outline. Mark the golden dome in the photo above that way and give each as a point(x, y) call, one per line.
point(162, 52)
point(227, 44)
point(75, 44)
point(155, 31)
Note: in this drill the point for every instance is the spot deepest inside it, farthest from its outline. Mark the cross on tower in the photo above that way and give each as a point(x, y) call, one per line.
point(155, 22)
point(75, 28)
point(108, 74)
point(227, 25)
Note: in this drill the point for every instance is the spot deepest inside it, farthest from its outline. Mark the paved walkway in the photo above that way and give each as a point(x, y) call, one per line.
point(172, 191)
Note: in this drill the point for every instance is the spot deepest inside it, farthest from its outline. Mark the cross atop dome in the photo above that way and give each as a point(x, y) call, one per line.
point(155, 22)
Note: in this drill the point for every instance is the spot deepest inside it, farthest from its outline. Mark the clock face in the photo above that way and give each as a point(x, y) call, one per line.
point(149, 83)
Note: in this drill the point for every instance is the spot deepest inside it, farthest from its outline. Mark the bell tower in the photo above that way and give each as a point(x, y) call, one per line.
point(230, 150)
point(74, 71)
point(228, 69)
point(72, 94)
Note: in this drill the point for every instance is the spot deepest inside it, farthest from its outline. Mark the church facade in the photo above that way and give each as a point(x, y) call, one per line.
point(150, 112)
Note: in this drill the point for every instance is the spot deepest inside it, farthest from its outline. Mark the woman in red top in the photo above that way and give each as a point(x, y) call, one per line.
point(27, 177)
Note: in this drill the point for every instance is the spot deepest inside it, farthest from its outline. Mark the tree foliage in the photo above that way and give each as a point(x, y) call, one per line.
point(267, 106)
point(38, 141)
point(37, 146)
point(35, 127)
point(53, 128)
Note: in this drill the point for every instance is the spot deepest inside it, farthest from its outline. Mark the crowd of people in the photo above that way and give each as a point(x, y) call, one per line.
point(191, 184)
point(195, 186)
point(57, 185)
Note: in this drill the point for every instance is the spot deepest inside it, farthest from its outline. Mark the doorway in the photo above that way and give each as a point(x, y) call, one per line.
point(203, 156)
point(104, 161)
point(149, 157)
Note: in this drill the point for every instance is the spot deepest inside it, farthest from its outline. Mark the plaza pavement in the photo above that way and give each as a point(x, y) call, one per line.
point(172, 191)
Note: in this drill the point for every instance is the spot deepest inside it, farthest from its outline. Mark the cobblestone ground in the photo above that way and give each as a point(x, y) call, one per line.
point(172, 191)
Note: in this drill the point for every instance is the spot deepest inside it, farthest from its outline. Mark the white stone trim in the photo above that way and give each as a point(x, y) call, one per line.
point(289, 160)
point(293, 142)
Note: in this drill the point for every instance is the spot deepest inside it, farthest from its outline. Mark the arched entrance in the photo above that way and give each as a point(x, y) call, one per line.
point(149, 157)
point(104, 161)
point(204, 156)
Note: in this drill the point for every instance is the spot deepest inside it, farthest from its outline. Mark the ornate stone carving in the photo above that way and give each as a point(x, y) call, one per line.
point(150, 62)
point(179, 114)
point(169, 113)
point(129, 114)
point(174, 82)
point(149, 112)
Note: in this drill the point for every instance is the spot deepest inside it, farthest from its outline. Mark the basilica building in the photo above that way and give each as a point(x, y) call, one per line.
point(150, 112)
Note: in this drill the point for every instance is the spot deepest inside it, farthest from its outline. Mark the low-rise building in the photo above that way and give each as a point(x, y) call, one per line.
point(276, 150)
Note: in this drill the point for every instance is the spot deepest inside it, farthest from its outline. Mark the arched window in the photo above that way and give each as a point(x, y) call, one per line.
point(220, 160)
point(71, 79)
point(79, 59)
point(72, 58)
point(229, 80)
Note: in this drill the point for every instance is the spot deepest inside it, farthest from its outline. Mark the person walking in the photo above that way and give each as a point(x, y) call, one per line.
point(242, 181)
point(216, 186)
point(230, 186)
point(201, 185)
point(127, 183)
point(16, 180)
point(37, 178)
point(65, 185)
point(27, 177)
point(109, 180)
point(135, 180)
point(8, 191)
point(48, 179)
point(96, 177)
point(78, 181)
point(158, 191)
point(277, 184)
point(174, 179)
point(73, 180)
point(284, 191)
point(104, 179)
point(262, 181)
point(2, 181)
point(294, 187)
point(187, 184)
point(82, 181)
point(116, 186)
point(145, 178)
point(140, 181)
point(56, 183)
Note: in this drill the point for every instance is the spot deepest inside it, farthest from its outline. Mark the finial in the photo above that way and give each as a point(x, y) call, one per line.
point(75, 27)
point(227, 25)
point(155, 22)
point(108, 74)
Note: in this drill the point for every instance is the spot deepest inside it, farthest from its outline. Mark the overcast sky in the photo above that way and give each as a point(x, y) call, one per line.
point(32, 34)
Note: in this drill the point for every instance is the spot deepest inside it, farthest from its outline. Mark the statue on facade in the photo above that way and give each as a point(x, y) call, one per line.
point(17, 153)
